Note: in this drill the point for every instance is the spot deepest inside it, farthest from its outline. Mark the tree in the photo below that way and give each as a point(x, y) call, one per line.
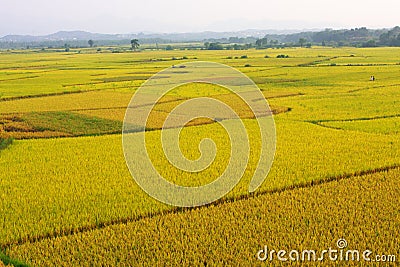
point(369, 43)
point(66, 46)
point(302, 41)
point(260, 43)
point(391, 38)
point(237, 47)
point(234, 40)
point(91, 42)
point(135, 44)
point(213, 46)
point(248, 46)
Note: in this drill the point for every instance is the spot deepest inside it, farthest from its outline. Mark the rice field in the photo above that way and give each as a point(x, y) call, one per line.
point(67, 197)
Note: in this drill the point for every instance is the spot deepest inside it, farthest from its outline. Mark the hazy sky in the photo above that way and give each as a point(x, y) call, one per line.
point(129, 16)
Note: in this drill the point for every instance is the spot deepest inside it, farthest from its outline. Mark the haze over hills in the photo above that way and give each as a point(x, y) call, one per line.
point(194, 36)
point(250, 38)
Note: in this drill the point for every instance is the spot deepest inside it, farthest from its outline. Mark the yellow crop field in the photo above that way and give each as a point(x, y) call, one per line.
point(67, 197)
point(72, 180)
point(233, 233)
point(390, 125)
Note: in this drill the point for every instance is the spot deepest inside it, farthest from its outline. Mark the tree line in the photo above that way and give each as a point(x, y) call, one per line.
point(358, 37)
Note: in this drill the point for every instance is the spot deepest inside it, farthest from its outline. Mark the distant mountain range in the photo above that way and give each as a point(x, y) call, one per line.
point(261, 38)
point(84, 36)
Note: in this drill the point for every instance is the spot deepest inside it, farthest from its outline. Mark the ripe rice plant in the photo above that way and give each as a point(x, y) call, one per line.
point(72, 201)
point(232, 233)
point(73, 188)
point(390, 125)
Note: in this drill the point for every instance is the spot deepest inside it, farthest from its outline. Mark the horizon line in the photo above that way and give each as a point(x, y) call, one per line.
point(293, 30)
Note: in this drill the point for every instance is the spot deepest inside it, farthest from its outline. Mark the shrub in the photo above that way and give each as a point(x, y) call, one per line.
point(5, 142)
